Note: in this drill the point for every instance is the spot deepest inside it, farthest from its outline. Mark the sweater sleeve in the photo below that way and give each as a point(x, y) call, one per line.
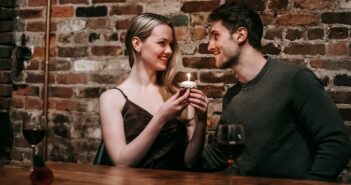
point(319, 118)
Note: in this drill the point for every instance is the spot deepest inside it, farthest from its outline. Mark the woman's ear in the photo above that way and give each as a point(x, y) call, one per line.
point(136, 44)
point(240, 35)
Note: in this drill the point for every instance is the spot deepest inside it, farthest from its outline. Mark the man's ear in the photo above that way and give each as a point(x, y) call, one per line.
point(137, 44)
point(240, 35)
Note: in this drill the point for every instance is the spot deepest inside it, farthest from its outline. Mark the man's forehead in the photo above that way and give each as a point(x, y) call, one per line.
point(217, 26)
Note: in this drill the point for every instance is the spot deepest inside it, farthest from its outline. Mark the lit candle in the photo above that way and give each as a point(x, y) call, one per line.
point(188, 74)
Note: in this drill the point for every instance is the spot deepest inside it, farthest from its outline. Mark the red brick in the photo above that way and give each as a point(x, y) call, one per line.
point(314, 4)
point(98, 23)
point(62, 11)
point(199, 62)
point(338, 33)
point(38, 52)
point(304, 49)
point(34, 77)
point(106, 50)
point(90, 92)
point(342, 80)
point(59, 65)
point(338, 49)
point(5, 103)
point(267, 18)
point(336, 18)
point(39, 2)
point(213, 91)
point(182, 33)
point(341, 96)
point(61, 92)
point(5, 77)
point(315, 33)
point(66, 105)
point(278, 4)
point(81, 38)
point(30, 13)
point(71, 78)
point(6, 38)
point(132, 9)
point(104, 78)
point(271, 48)
point(111, 37)
point(258, 5)
point(203, 48)
point(72, 51)
point(34, 64)
point(5, 64)
point(65, 38)
point(218, 77)
point(122, 24)
point(297, 19)
point(33, 103)
point(107, 1)
point(331, 64)
point(73, 1)
point(17, 102)
point(198, 33)
point(37, 26)
point(272, 34)
point(5, 90)
point(199, 6)
point(26, 90)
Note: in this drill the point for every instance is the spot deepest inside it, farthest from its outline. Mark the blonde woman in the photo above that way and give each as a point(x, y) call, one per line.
point(139, 118)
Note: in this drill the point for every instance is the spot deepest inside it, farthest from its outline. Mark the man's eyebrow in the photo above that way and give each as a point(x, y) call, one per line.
point(212, 32)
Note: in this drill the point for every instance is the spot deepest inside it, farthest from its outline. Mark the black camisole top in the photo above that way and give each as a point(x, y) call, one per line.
point(168, 149)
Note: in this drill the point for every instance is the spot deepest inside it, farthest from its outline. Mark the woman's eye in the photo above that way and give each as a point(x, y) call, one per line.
point(162, 43)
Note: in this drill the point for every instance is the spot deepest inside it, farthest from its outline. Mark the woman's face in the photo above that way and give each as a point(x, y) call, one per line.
point(156, 50)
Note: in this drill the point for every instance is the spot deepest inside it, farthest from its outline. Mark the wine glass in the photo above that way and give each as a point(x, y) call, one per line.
point(231, 140)
point(34, 132)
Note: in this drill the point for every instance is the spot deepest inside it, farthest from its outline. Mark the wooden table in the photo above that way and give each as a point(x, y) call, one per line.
point(78, 174)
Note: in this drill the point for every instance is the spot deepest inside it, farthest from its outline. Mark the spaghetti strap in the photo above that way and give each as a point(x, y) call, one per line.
point(125, 96)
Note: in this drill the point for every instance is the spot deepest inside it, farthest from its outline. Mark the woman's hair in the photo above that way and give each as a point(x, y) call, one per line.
point(141, 27)
point(235, 15)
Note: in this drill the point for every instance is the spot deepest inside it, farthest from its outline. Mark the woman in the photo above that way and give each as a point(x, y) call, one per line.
point(139, 118)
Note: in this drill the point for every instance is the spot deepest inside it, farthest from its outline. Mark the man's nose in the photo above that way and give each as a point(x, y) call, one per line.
point(210, 47)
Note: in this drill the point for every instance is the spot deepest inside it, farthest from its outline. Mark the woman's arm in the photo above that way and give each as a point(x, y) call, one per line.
point(121, 153)
point(196, 131)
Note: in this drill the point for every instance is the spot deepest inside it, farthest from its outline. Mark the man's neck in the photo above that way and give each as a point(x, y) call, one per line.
point(250, 63)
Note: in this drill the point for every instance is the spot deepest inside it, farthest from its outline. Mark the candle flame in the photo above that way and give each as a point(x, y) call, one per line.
point(189, 75)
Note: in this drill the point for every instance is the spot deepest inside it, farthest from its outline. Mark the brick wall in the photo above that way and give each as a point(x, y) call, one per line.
point(7, 14)
point(87, 57)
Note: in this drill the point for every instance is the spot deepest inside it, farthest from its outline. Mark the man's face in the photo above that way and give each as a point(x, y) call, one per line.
point(224, 48)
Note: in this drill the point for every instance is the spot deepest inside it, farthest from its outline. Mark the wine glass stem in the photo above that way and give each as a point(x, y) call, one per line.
point(33, 154)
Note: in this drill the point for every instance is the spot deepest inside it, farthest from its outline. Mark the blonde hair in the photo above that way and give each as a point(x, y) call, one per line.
point(141, 27)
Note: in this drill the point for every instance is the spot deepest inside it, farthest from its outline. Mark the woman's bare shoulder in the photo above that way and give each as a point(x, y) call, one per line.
point(112, 97)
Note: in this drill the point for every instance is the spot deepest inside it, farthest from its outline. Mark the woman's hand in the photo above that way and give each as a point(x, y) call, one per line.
point(174, 105)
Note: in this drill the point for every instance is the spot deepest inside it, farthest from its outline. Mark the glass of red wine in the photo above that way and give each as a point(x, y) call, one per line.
point(34, 131)
point(231, 140)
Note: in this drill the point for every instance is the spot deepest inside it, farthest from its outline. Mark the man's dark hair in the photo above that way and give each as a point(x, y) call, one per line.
point(234, 16)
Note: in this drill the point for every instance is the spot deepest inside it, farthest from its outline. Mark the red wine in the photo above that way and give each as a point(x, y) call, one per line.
point(33, 136)
point(232, 151)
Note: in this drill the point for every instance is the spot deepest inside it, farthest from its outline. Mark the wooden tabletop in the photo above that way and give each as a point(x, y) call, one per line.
point(79, 174)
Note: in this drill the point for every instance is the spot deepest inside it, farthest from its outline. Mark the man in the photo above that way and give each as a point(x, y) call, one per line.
point(293, 129)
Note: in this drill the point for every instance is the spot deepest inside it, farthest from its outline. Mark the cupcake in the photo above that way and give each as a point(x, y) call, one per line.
point(188, 84)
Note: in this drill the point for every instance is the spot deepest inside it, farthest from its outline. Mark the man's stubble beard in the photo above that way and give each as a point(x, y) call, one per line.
point(229, 63)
